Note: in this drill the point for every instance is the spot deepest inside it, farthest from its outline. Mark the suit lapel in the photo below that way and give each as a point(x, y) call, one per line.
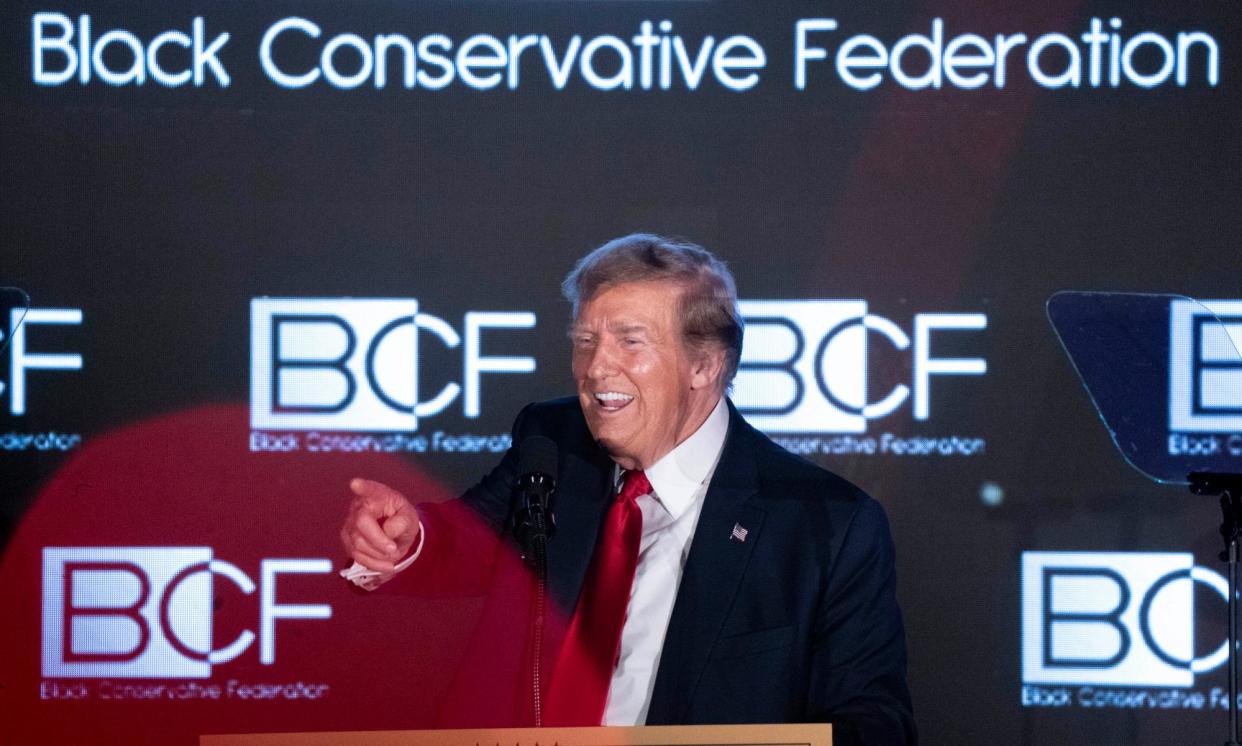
point(581, 499)
point(712, 574)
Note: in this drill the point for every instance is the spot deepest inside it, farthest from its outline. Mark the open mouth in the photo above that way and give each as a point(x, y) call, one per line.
point(612, 401)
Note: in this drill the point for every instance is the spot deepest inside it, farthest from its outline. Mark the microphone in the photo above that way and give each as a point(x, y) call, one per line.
point(533, 518)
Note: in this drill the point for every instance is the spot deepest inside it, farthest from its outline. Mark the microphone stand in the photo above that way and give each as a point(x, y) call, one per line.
point(539, 547)
point(1229, 487)
point(533, 523)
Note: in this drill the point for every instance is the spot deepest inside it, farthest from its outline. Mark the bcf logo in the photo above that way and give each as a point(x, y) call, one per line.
point(352, 363)
point(146, 612)
point(1113, 618)
point(804, 364)
point(1205, 370)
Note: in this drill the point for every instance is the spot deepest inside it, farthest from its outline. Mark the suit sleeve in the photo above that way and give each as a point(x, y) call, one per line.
point(463, 535)
point(858, 671)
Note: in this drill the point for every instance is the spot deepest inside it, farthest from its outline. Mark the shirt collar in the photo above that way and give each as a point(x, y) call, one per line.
point(677, 479)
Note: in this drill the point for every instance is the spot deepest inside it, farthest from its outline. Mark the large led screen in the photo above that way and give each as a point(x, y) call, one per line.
point(250, 251)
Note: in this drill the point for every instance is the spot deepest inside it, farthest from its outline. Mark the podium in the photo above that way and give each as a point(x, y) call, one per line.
point(803, 734)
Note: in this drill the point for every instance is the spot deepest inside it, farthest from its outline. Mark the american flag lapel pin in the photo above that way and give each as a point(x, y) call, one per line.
point(739, 533)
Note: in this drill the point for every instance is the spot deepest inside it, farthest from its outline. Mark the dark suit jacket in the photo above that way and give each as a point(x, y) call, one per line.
point(797, 623)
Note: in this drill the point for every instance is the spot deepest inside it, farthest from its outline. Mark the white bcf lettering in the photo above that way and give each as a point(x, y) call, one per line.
point(146, 612)
point(926, 366)
point(270, 611)
point(804, 365)
point(353, 364)
point(1113, 618)
point(20, 360)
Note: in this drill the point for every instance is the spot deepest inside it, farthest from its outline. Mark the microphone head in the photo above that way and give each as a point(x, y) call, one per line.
point(537, 454)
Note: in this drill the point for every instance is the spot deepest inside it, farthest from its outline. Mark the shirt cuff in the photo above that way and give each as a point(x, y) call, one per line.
point(371, 579)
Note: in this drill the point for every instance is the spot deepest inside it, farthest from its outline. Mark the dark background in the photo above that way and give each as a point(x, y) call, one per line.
point(161, 213)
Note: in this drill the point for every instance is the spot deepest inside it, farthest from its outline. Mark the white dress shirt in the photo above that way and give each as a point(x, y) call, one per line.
point(670, 514)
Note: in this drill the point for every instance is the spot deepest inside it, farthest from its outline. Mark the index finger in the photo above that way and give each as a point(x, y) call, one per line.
point(374, 491)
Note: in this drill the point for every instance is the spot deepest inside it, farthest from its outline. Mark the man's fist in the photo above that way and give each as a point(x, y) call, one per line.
point(381, 526)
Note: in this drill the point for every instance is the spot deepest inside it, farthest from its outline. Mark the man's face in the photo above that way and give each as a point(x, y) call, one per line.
point(641, 391)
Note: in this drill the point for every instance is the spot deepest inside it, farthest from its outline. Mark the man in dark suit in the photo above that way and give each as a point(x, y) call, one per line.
point(706, 575)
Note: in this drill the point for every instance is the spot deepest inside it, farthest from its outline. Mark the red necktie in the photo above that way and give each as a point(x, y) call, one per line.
point(583, 671)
